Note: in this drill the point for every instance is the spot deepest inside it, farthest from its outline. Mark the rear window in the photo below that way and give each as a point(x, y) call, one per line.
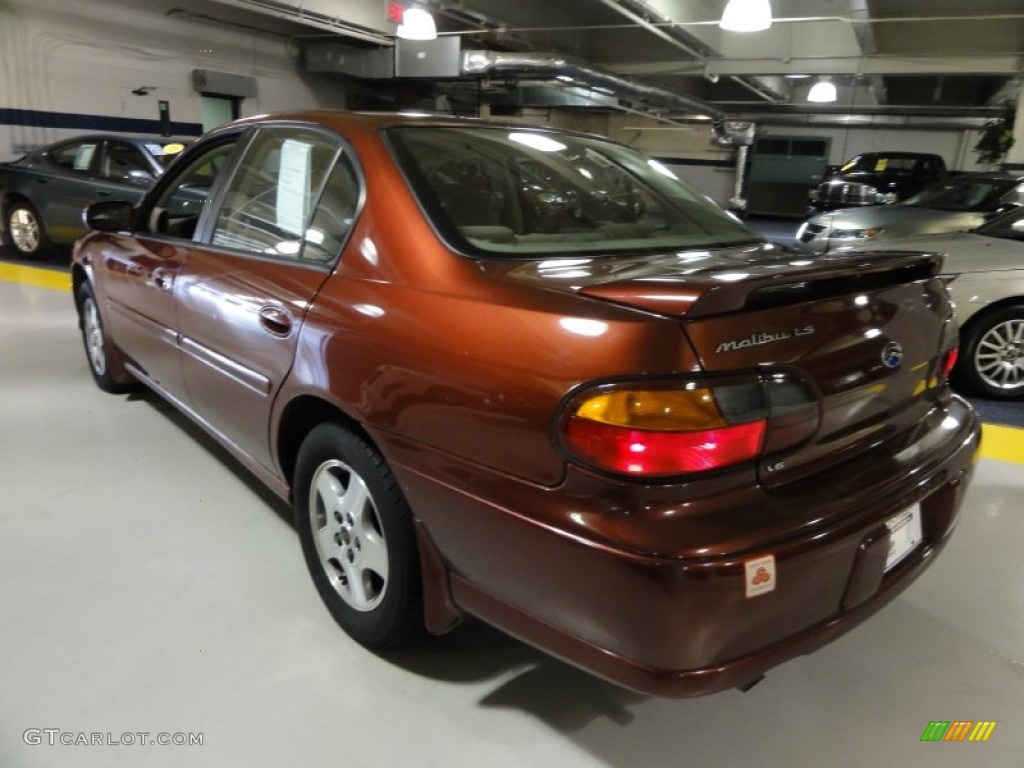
point(891, 165)
point(502, 191)
point(963, 194)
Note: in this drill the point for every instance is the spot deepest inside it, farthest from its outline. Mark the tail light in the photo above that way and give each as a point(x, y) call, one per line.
point(950, 341)
point(949, 362)
point(664, 428)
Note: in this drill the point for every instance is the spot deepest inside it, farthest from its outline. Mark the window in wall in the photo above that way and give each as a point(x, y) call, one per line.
point(218, 110)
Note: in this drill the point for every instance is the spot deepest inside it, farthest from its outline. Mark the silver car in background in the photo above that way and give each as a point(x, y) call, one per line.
point(958, 204)
point(985, 274)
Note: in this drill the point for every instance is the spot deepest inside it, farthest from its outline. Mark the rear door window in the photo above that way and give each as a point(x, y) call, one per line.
point(271, 206)
point(78, 157)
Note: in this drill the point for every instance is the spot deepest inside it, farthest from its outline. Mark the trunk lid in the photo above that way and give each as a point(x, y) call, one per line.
point(865, 332)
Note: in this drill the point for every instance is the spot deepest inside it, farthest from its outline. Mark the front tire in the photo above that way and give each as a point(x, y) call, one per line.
point(104, 358)
point(24, 231)
point(993, 361)
point(357, 537)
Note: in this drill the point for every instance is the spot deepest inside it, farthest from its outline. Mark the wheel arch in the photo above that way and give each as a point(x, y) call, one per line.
point(298, 419)
point(982, 314)
point(78, 278)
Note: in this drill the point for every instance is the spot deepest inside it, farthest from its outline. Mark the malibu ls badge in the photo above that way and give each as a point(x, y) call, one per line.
point(763, 337)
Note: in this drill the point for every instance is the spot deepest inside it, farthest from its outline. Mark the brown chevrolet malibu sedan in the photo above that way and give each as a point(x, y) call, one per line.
point(533, 377)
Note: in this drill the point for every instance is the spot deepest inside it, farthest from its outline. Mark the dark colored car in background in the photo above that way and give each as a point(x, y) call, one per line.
point(877, 178)
point(531, 376)
point(43, 194)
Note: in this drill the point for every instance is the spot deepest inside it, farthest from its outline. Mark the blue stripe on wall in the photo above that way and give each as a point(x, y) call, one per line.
point(40, 119)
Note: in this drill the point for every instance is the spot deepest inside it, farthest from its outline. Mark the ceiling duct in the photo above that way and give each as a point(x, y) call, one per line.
point(481, 63)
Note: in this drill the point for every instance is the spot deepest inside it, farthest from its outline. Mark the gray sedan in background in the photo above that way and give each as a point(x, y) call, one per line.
point(958, 204)
point(985, 274)
point(43, 194)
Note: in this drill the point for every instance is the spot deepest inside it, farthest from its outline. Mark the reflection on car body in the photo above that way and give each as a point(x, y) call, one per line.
point(535, 404)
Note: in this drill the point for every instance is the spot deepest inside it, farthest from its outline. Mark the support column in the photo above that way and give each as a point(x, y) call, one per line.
point(1014, 160)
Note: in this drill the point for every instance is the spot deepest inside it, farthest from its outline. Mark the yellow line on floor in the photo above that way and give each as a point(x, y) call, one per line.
point(43, 278)
point(1002, 443)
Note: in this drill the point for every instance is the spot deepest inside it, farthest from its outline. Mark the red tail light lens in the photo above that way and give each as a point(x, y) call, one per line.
point(646, 452)
point(950, 362)
point(662, 429)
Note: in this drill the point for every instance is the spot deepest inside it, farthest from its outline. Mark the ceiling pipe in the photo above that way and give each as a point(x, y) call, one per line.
point(551, 66)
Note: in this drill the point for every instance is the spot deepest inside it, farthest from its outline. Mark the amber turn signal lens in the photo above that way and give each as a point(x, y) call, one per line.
point(662, 410)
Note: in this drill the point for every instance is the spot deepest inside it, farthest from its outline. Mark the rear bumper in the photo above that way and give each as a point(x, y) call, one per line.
point(647, 586)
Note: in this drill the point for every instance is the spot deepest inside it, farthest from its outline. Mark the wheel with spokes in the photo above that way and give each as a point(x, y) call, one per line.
point(24, 230)
point(104, 358)
point(357, 537)
point(993, 361)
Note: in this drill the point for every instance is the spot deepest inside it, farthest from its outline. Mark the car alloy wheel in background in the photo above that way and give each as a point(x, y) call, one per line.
point(995, 354)
point(24, 230)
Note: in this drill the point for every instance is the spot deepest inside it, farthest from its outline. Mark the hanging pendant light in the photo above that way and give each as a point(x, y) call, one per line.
point(823, 91)
point(746, 16)
point(417, 24)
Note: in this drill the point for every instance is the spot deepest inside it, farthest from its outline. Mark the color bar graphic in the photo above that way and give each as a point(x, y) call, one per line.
point(958, 730)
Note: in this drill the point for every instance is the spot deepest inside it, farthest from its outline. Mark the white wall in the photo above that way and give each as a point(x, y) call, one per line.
point(86, 56)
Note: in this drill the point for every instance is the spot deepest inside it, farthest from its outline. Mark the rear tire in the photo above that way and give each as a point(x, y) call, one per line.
point(357, 537)
point(992, 365)
point(24, 231)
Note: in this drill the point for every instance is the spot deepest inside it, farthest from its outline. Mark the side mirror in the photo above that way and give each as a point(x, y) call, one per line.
point(110, 216)
point(139, 177)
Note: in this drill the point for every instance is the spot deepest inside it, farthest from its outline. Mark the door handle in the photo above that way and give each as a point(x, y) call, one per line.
point(162, 279)
point(277, 320)
point(102, 193)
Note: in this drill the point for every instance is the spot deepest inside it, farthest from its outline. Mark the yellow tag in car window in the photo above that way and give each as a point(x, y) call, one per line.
point(173, 149)
point(881, 164)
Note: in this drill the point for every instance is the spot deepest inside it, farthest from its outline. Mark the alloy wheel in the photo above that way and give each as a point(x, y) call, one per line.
point(24, 229)
point(348, 535)
point(94, 337)
point(999, 355)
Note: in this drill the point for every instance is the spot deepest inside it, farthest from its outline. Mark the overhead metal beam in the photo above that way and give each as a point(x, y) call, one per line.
point(865, 34)
point(995, 64)
point(572, 71)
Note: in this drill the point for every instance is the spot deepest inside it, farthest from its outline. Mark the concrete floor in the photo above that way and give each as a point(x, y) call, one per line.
point(149, 585)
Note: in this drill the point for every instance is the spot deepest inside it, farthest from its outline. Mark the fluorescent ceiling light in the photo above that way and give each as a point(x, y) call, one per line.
point(746, 16)
point(417, 24)
point(823, 91)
